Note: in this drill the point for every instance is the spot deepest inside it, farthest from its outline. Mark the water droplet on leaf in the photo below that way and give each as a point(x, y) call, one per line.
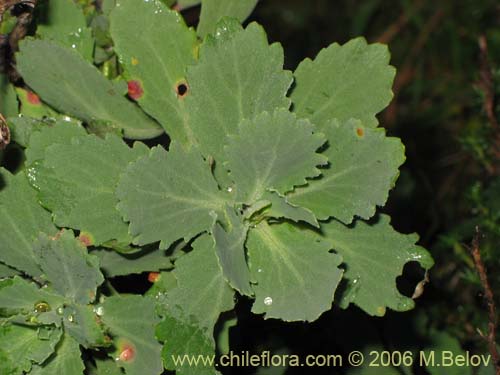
point(268, 301)
point(41, 307)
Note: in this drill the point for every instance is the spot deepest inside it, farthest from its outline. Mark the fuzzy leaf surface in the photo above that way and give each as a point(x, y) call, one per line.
point(168, 196)
point(114, 263)
point(157, 63)
point(295, 274)
point(272, 152)
point(343, 82)
point(77, 182)
point(131, 320)
point(230, 249)
point(23, 345)
point(65, 23)
point(364, 166)
point(68, 267)
point(185, 338)
point(374, 255)
point(213, 10)
point(21, 220)
point(202, 291)
point(238, 76)
point(281, 208)
point(58, 132)
point(67, 360)
point(19, 296)
point(50, 70)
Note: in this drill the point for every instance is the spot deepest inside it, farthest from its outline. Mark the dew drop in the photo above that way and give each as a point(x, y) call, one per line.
point(60, 310)
point(73, 46)
point(268, 301)
point(259, 270)
point(41, 307)
point(71, 318)
point(99, 310)
point(229, 189)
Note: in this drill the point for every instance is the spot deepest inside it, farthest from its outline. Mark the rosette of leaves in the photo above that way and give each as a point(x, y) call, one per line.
point(267, 189)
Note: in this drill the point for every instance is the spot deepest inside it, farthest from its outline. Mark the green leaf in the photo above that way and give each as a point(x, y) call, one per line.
point(295, 274)
point(131, 320)
point(147, 259)
point(183, 4)
point(63, 21)
point(272, 152)
point(213, 10)
point(87, 95)
point(364, 166)
point(157, 63)
point(106, 367)
point(60, 131)
point(8, 104)
point(68, 267)
point(6, 271)
point(374, 255)
point(343, 82)
point(202, 291)
point(168, 196)
point(184, 340)
point(23, 127)
point(82, 323)
point(23, 345)
point(7, 366)
point(238, 77)
point(20, 296)
point(77, 182)
point(67, 360)
point(21, 220)
point(230, 249)
point(281, 208)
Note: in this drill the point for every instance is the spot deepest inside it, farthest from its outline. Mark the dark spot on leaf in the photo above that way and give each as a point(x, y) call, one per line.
point(33, 98)
point(182, 89)
point(360, 132)
point(135, 90)
point(111, 92)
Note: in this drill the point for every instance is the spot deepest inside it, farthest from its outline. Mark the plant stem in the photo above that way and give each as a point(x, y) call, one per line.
point(488, 294)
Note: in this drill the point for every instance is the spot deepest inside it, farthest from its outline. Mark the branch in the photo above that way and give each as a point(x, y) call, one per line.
point(486, 84)
point(488, 294)
point(4, 133)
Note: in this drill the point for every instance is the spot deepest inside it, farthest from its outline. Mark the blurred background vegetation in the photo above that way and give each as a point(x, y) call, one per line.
point(445, 109)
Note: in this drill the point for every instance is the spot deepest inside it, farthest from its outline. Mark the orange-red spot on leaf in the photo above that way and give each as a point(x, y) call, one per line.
point(135, 90)
point(127, 351)
point(360, 132)
point(85, 239)
point(153, 277)
point(33, 98)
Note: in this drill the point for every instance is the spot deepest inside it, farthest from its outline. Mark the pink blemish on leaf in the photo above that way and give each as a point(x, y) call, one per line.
point(153, 277)
point(127, 351)
point(86, 239)
point(33, 98)
point(135, 90)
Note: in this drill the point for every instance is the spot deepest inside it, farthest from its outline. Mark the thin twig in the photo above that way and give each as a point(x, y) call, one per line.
point(488, 294)
point(487, 86)
point(395, 28)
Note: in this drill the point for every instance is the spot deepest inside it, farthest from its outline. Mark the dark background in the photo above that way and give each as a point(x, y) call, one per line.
point(448, 185)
